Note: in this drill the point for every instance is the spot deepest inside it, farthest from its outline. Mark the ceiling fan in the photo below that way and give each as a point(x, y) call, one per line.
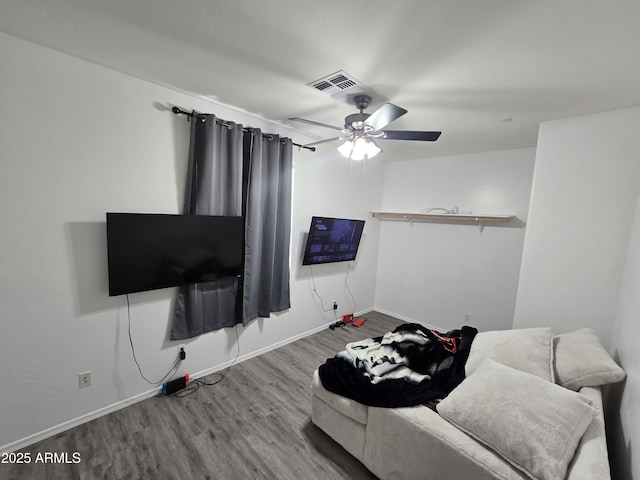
point(362, 129)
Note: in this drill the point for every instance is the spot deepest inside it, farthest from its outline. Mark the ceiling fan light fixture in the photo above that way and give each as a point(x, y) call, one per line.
point(359, 149)
point(346, 148)
point(360, 130)
point(372, 148)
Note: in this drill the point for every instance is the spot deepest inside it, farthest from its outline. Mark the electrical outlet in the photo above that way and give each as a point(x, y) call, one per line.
point(467, 318)
point(84, 379)
point(182, 353)
point(335, 305)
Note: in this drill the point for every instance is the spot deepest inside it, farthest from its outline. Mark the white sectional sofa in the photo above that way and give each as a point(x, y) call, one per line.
point(557, 397)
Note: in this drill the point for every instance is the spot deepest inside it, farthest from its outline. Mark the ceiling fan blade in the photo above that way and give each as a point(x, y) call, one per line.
point(326, 140)
point(311, 122)
point(410, 135)
point(383, 116)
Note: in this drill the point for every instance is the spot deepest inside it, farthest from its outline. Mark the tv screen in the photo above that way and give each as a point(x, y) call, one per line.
point(151, 251)
point(332, 240)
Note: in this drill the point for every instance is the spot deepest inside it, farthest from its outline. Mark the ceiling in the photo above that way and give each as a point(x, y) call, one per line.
point(485, 73)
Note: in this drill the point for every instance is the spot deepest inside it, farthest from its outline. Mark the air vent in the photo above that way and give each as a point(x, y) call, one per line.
point(336, 83)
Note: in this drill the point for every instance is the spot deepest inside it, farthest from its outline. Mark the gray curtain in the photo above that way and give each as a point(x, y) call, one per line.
point(214, 187)
point(236, 172)
point(268, 183)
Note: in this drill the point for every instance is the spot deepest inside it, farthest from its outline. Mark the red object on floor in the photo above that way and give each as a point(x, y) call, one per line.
point(347, 318)
point(357, 322)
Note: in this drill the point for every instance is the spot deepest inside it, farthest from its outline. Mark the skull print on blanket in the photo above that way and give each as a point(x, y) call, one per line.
point(412, 365)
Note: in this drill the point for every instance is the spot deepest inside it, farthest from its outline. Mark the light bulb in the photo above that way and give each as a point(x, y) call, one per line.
point(346, 148)
point(359, 149)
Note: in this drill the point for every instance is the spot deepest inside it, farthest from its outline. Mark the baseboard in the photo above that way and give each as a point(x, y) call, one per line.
point(405, 318)
point(256, 353)
point(62, 427)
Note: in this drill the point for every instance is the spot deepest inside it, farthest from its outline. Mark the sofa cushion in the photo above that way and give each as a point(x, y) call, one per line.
point(415, 443)
point(344, 405)
point(534, 424)
point(582, 361)
point(527, 349)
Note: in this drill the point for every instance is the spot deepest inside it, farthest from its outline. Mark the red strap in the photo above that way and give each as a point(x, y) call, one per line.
point(450, 344)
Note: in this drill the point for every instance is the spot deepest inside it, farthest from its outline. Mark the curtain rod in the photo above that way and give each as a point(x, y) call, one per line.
point(179, 111)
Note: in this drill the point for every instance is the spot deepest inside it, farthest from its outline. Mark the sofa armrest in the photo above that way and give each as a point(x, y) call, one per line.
point(591, 460)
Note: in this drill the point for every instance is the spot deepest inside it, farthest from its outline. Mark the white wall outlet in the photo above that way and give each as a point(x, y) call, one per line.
point(467, 318)
point(180, 349)
point(84, 379)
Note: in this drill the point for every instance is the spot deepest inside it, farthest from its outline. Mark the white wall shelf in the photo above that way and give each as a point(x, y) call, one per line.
point(462, 218)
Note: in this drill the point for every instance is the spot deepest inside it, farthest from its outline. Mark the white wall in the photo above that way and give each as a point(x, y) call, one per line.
point(580, 265)
point(586, 181)
point(437, 273)
point(78, 140)
point(327, 186)
point(624, 412)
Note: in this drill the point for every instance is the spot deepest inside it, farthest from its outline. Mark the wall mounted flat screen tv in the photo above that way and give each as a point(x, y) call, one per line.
point(152, 251)
point(332, 240)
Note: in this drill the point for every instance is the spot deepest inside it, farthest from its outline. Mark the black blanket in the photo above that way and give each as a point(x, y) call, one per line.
point(410, 366)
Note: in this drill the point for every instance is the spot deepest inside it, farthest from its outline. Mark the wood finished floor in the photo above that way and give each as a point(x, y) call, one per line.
point(255, 424)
